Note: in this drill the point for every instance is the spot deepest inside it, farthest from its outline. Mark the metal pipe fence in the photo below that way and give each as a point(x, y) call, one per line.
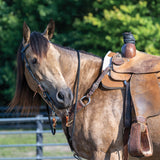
point(39, 138)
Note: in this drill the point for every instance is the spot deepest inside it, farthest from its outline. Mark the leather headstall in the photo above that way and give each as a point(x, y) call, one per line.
point(45, 94)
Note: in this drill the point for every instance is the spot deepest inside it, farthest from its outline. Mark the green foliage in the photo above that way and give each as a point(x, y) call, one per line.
point(92, 25)
point(104, 27)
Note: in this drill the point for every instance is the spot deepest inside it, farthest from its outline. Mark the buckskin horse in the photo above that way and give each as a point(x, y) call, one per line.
point(63, 76)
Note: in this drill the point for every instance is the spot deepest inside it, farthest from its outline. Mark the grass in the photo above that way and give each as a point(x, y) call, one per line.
point(31, 151)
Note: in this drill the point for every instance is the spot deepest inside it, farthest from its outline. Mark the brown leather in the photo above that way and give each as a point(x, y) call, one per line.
point(128, 50)
point(119, 76)
point(145, 94)
point(117, 59)
point(111, 54)
point(125, 143)
point(141, 63)
point(98, 81)
point(158, 75)
point(108, 83)
point(140, 143)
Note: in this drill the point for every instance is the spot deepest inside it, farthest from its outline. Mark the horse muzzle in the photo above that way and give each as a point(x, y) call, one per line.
point(64, 98)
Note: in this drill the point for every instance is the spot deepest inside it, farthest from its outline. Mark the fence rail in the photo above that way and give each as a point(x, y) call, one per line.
point(26, 119)
point(37, 158)
point(39, 138)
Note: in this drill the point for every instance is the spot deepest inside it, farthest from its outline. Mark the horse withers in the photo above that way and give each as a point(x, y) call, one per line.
point(49, 70)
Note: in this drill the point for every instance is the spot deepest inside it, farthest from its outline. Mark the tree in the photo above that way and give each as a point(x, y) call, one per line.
point(92, 25)
point(102, 29)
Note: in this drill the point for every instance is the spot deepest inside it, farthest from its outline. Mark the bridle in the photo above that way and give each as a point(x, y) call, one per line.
point(45, 94)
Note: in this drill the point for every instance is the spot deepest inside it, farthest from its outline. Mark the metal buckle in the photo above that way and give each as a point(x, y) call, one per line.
point(87, 99)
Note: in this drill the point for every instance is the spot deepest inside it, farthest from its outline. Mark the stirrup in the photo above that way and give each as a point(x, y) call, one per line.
point(140, 143)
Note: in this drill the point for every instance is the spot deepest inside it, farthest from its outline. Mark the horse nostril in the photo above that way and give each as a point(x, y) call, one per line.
point(64, 97)
point(61, 96)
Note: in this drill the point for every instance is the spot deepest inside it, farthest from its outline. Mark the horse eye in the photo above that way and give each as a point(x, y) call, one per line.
point(34, 61)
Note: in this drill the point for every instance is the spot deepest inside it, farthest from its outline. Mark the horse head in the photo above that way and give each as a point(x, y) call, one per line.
point(41, 67)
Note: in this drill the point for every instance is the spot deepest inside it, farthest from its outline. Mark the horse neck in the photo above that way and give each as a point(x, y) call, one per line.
point(90, 66)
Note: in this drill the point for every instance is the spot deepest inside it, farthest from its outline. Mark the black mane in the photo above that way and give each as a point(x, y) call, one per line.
point(39, 44)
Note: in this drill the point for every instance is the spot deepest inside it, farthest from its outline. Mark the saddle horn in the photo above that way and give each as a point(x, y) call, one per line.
point(128, 50)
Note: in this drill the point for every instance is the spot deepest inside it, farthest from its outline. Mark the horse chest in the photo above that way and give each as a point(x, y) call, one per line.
point(97, 126)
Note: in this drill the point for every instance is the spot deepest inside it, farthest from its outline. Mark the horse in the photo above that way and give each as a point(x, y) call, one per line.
point(52, 69)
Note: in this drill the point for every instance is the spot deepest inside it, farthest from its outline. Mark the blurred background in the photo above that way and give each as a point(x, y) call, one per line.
point(95, 26)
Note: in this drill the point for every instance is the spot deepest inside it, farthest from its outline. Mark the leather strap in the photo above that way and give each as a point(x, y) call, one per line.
point(125, 143)
point(127, 107)
point(127, 121)
point(98, 81)
point(85, 100)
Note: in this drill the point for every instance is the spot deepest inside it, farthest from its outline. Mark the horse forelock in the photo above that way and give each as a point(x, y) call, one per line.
point(24, 96)
point(39, 44)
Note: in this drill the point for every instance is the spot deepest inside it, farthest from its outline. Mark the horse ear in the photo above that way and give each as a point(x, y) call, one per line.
point(49, 31)
point(26, 34)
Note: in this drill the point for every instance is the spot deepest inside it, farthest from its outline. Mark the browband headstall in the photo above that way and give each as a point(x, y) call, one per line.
point(23, 51)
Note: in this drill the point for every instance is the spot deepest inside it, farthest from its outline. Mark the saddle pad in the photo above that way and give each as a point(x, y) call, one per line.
point(141, 63)
point(107, 60)
point(145, 93)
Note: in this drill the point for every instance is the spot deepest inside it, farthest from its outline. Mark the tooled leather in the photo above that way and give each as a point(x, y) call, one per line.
point(141, 63)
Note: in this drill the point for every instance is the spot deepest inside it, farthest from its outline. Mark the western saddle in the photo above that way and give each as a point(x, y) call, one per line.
point(139, 74)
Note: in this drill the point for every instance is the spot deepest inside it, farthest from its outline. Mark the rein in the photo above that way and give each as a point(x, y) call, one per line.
point(76, 82)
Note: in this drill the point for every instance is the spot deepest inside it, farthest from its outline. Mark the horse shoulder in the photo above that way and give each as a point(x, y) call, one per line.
point(99, 125)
